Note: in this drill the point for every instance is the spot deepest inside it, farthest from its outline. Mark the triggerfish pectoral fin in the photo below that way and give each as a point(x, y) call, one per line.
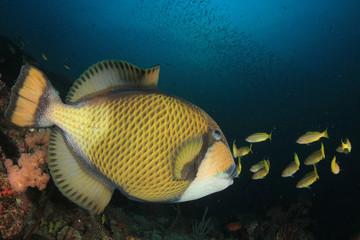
point(186, 153)
point(73, 180)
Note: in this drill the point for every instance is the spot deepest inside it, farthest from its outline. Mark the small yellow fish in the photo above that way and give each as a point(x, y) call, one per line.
point(44, 56)
point(292, 168)
point(335, 169)
point(310, 137)
point(242, 151)
point(308, 179)
point(258, 137)
point(238, 167)
point(67, 66)
point(345, 147)
point(263, 171)
point(256, 167)
point(316, 156)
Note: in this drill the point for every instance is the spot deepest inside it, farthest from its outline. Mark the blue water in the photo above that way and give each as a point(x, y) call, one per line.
point(281, 66)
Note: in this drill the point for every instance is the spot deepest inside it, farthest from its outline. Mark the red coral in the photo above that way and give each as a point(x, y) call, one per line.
point(27, 173)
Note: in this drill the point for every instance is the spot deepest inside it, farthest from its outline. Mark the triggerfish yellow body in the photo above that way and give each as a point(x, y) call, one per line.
point(242, 151)
point(316, 156)
point(117, 131)
point(308, 179)
point(292, 168)
point(345, 146)
point(310, 137)
point(258, 137)
point(335, 169)
point(260, 174)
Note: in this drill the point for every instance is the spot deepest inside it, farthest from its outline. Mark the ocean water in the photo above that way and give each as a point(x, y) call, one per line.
point(255, 66)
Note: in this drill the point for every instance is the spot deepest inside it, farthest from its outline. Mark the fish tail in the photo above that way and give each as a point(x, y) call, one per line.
point(235, 152)
point(322, 150)
point(297, 162)
point(251, 148)
point(316, 174)
point(32, 97)
point(325, 133)
point(270, 135)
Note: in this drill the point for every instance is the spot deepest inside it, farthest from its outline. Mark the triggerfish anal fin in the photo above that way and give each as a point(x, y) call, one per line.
point(111, 75)
point(186, 154)
point(73, 180)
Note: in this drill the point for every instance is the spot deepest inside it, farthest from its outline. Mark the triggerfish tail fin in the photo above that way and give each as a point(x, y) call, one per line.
point(325, 133)
point(32, 97)
point(76, 181)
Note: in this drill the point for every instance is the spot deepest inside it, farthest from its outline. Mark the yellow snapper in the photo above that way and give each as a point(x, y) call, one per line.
point(117, 131)
point(258, 137)
point(310, 137)
point(308, 179)
point(345, 147)
point(260, 174)
point(256, 167)
point(242, 151)
point(335, 169)
point(316, 156)
point(292, 168)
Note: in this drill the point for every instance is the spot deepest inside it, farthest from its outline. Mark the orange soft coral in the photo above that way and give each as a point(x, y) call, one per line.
point(27, 173)
point(38, 139)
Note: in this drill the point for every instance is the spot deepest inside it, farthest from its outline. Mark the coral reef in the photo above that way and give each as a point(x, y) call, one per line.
point(27, 173)
point(14, 210)
point(201, 228)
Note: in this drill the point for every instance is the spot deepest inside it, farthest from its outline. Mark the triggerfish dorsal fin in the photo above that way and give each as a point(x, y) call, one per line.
point(74, 180)
point(184, 155)
point(111, 75)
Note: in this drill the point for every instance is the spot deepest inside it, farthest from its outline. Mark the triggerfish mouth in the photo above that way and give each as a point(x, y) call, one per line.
point(117, 131)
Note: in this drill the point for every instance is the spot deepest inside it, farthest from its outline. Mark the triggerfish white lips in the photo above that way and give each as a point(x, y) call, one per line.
point(215, 173)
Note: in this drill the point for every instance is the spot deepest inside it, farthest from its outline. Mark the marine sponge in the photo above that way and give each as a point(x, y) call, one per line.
point(27, 173)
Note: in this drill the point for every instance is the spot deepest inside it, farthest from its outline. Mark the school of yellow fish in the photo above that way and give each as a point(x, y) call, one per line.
point(262, 168)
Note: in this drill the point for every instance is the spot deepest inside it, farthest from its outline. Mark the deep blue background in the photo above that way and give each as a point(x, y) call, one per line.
point(281, 66)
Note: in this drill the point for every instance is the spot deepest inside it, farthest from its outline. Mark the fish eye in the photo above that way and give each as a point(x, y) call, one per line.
point(216, 134)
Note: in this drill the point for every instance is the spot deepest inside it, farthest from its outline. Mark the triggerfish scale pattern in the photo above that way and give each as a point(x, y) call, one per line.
point(118, 131)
